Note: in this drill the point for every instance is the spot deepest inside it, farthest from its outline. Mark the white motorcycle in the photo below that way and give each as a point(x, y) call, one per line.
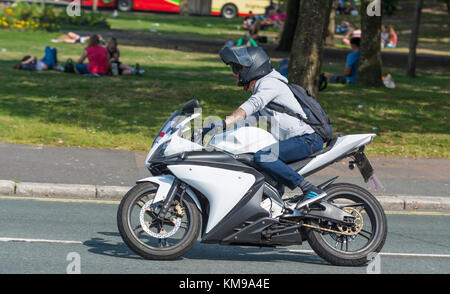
point(219, 193)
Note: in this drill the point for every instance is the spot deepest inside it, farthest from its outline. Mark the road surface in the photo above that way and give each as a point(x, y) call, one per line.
point(46, 235)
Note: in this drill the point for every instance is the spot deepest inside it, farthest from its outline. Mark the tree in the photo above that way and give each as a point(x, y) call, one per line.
point(307, 47)
point(370, 64)
point(199, 7)
point(183, 7)
point(329, 38)
point(94, 5)
point(411, 71)
point(287, 36)
point(447, 3)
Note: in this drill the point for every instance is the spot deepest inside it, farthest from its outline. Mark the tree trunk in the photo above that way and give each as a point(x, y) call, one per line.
point(184, 4)
point(370, 64)
point(199, 7)
point(95, 5)
point(287, 36)
point(411, 71)
point(329, 39)
point(307, 47)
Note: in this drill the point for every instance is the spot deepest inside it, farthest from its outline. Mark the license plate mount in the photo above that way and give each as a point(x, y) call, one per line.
point(364, 166)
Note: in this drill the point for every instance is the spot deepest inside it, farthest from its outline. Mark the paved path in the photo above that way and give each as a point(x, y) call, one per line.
point(68, 165)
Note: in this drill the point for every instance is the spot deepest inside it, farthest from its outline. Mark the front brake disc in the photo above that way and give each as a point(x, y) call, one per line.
point(146, 226)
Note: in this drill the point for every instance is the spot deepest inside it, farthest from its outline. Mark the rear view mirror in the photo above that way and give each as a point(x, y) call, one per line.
point(190, 106)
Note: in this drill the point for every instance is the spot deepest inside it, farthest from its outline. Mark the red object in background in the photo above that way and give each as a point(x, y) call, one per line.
point(151, 5)
point(155, 5)
point(100, 3)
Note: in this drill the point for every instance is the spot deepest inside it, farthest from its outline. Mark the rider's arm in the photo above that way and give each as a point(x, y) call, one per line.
point(237, 115)
point(265, 92)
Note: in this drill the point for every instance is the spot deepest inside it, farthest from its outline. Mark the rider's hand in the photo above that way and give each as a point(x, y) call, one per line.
point(215, 128)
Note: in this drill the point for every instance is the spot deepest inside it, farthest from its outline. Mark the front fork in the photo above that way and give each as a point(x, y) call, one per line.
point(176, 185)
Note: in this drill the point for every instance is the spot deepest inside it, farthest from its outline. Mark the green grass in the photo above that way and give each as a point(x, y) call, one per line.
point(125, 112)
point(182, 27)
point(434, 36)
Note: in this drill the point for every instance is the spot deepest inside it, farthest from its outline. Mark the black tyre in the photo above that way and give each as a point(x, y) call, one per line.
point(229, 11)
point(357, 249)
point(151, 237)
point(125, 5)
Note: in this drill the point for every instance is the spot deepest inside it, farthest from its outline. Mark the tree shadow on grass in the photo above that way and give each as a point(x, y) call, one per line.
point(122, 104)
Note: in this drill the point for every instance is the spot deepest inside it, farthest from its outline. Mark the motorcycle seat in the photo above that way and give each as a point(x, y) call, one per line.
point(247, 158)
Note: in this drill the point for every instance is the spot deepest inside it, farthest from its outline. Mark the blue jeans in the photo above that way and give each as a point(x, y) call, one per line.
point(82, 68)
point(289, 150)
point(50, 57)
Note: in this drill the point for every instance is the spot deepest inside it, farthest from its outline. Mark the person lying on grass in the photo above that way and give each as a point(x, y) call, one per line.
point(74, 38)
point(49, 61)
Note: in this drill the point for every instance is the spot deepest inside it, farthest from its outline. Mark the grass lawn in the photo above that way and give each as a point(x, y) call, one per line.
point(53, 108)
point(434, 35)
point(187, 27)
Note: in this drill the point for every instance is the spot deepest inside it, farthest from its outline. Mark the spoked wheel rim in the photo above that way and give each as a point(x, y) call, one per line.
point(155, 233)
point(354, 239)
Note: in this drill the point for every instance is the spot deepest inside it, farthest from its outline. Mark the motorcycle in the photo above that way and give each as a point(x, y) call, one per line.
point(217, 192)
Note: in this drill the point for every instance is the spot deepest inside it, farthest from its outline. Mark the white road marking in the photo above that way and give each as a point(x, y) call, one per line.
point(2, 239)
point(383, 254)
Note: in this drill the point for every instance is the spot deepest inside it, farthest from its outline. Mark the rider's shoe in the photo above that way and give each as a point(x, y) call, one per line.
point(299, 205)
point(293, 200)
point(312, 195)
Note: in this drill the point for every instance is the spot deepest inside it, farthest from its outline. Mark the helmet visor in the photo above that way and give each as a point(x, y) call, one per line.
point(238, 55)
point(236, 68)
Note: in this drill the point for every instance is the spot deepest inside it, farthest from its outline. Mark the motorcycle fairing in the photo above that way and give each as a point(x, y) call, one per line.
point(164, 183)
point(223, 188)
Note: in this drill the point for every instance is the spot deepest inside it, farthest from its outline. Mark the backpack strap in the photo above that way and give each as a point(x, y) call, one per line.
point(280, 108)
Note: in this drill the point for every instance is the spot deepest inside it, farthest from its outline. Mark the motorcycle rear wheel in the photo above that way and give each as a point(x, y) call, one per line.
point(147, 241)
point(335, 248)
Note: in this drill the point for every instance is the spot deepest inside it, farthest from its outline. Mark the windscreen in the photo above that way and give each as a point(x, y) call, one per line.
point(167, 125)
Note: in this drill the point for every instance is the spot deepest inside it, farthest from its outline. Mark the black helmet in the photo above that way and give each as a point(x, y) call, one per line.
point(253, 61)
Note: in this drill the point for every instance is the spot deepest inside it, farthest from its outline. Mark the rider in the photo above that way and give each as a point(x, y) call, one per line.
point(297, 140)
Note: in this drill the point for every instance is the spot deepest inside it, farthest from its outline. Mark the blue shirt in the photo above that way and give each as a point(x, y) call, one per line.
point(352, 61)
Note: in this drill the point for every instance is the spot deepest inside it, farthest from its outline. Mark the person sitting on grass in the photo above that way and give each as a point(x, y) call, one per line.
point(116, 66)
point(351, 66)
point(97, 58)
point(352, 33)
point(343, 28)
point(388, 37)
point(49, 61)
point(249, 21)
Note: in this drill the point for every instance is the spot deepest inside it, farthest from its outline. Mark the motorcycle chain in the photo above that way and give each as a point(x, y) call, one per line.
point(348, 232)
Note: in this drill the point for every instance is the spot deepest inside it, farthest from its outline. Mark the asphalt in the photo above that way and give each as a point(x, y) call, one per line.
point(426, 179)
point(39, 234)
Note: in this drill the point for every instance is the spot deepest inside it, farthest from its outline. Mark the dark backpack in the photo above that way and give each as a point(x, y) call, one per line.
point(315, 116)
point(69, 67)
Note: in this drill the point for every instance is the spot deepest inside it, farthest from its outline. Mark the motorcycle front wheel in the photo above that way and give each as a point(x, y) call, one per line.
point(350, 245)
point(152, 237)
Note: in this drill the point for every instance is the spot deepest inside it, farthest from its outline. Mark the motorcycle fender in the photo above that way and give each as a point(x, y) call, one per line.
point(164, 183)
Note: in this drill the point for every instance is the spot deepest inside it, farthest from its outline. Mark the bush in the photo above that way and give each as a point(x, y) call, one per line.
point(24, 16)
point(389, 6)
